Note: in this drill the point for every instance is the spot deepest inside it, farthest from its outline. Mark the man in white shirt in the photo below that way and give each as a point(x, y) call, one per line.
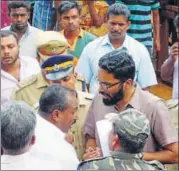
point(118, 24)
point(19, 12)
point(18, 122)
point(57, 108)
point(14, 68)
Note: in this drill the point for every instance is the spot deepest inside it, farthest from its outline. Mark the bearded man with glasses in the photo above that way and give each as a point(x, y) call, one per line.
point(118, 92)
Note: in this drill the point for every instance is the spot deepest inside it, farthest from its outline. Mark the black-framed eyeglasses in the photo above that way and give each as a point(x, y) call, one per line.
point(108, 85)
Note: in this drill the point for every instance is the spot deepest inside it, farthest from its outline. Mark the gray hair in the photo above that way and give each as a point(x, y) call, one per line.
point(118, 9)
point(7, 33)
point(55, 96)
point(18, 121)
point(68, 5)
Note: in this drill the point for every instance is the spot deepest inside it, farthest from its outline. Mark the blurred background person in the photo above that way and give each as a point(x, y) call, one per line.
point(19, 12)
point(69, 17)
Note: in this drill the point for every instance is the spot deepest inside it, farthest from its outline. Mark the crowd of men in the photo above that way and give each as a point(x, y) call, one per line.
point(78, 64)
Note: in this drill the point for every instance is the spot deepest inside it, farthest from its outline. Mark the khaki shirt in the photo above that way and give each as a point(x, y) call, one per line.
point(85, 100)
point(31, 89)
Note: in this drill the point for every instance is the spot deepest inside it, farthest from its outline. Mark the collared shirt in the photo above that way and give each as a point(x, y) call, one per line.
point(27, 41)
point(169, 72)
point(79, 43)
point(162, 129)
point(88, 63)
point(27, 162)
point(141, 26)
point(51, 145)
point(28, 67)
point(120, 161)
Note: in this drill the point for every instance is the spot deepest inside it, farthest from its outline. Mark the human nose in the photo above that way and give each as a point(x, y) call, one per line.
point(6, 50)
point(19, 18)
point(70, 20)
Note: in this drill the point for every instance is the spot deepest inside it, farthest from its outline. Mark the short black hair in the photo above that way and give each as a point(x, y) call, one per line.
point(118, 9)
point(68, 5)
point(119, 63)
point(19, 4)
point(6, 33)
point(176, 22)
point(55, 96)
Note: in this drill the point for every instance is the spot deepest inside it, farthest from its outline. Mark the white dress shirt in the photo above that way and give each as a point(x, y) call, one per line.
point(29, 67)
point(51, 145)
point(27, 162)
point(27, 42)
point(88, 62)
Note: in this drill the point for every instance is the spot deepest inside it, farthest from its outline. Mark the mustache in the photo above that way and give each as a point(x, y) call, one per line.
point(115, 32)
point(105, 94)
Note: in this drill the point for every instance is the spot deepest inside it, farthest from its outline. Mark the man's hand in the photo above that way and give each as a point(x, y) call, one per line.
point(175, 51)
point(91, 153)
point(157, 45)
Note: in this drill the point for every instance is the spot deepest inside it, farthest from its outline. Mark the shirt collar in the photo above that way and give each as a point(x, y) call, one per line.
point(136, 101)
point(13, 158)
point(127, 156)
point(29, 30)
point(106, 41)
point(80, 35)
point(41, 82)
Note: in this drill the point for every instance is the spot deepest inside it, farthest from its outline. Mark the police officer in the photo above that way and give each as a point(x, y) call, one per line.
point(126, 142)
point(49, 43)
point(56, 69)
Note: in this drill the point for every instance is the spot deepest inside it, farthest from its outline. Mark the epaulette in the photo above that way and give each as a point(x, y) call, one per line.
point(86, 95)
point(90, 160)
point(81, 77)
point(27, 82)
point(156, 164)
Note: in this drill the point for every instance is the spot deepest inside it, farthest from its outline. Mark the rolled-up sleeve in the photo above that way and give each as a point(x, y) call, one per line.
point(164, 131)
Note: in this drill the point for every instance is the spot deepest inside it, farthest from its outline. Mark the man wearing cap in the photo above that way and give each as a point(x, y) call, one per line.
point(130, 130)
point(118, 91)
point(56, 69)
point(50, 43)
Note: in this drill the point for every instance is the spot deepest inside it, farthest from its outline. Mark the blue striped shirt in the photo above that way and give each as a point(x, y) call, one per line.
point(141, 27)
point(42, 15)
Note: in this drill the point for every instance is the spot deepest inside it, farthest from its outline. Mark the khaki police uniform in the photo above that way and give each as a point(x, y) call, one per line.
point(31, 89)
point(85, 100)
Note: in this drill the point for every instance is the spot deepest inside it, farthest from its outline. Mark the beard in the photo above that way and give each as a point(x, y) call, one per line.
point(115, 99)
point(20, 26)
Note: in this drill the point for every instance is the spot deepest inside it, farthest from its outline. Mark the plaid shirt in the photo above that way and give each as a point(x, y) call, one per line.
point(42, 16)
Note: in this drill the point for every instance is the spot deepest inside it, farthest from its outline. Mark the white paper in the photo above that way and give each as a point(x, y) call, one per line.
point(104, 127)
